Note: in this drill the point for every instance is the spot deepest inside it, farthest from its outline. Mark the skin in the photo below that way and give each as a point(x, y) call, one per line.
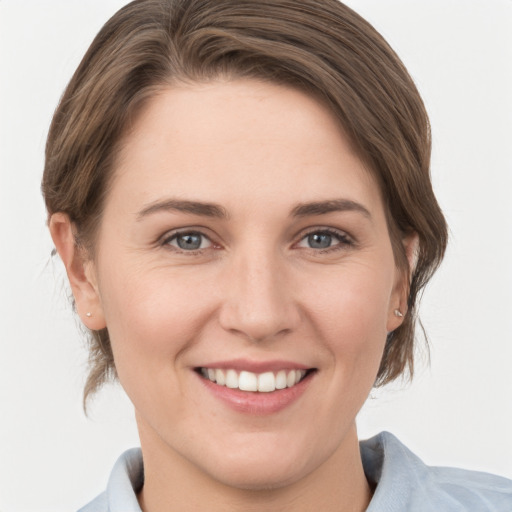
point(256, 289)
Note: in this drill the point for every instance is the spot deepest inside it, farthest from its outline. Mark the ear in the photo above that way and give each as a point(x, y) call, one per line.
point(399, 298)
point(80, 270)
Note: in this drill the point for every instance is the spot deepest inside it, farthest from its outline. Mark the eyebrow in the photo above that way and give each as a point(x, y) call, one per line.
point(216, 211)
point(329, 206)
point(183, 206)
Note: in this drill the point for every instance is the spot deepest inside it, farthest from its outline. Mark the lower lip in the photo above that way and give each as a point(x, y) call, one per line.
point(258, 403)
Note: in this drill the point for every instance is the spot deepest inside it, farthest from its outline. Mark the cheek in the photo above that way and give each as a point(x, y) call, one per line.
point(153, 315)
point(349, 311)
point(356, 300)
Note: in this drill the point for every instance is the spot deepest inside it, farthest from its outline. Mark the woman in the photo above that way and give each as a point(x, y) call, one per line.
point(240, 194)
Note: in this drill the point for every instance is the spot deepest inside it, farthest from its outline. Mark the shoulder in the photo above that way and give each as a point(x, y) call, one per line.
point(404, 482)
point(125, 481)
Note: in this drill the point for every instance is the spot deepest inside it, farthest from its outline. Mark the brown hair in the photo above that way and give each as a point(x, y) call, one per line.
point(319, 46)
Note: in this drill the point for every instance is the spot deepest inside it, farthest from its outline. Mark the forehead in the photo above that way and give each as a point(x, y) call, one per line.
point(244, 141)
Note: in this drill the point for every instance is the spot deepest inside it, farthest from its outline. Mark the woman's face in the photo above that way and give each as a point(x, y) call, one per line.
point(244, 242)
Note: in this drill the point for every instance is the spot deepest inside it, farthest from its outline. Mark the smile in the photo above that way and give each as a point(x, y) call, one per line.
point(266, 382)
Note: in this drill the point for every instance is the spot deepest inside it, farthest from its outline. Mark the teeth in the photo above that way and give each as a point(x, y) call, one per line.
point(231, 379)
point(220, 377)
point(281, 379)
point(290, 378)
point(266, 382)
point(249, 381)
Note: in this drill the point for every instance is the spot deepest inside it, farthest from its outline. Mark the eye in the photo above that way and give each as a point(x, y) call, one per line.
point(325, 239)
point(189, 241)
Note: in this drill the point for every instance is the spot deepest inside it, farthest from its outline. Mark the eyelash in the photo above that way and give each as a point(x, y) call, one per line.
point(344, 241)
point(168, 239)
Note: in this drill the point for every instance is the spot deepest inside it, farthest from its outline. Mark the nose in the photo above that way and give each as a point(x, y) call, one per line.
point(258, 298)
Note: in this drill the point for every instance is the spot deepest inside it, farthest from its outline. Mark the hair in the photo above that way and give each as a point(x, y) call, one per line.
point(321, 47)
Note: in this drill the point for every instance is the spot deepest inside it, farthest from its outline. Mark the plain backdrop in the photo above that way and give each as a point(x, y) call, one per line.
point(458, 411)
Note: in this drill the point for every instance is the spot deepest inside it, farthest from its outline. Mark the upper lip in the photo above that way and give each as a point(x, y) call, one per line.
point(255, 366)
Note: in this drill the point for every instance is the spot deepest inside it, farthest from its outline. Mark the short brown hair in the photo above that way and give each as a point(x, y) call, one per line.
point(320, 46)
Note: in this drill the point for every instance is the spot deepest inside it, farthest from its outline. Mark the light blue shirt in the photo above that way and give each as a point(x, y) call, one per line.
point(404, 483)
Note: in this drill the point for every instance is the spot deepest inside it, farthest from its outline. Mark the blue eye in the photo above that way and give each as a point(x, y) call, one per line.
point(190, 241)
point(325, 239)
point(319, 240)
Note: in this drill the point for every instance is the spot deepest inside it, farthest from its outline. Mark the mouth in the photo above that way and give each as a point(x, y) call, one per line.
point(266, 382)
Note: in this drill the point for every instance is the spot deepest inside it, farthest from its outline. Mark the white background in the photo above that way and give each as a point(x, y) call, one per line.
point(457, 412)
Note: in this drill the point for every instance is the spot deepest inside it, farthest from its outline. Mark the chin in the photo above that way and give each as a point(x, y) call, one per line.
point(259, 475)
point(261, 464)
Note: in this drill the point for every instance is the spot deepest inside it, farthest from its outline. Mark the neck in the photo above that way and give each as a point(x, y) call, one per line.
point(337, 484)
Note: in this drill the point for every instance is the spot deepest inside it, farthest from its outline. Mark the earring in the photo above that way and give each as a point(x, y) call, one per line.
point(88, 315)
point(398, 313)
